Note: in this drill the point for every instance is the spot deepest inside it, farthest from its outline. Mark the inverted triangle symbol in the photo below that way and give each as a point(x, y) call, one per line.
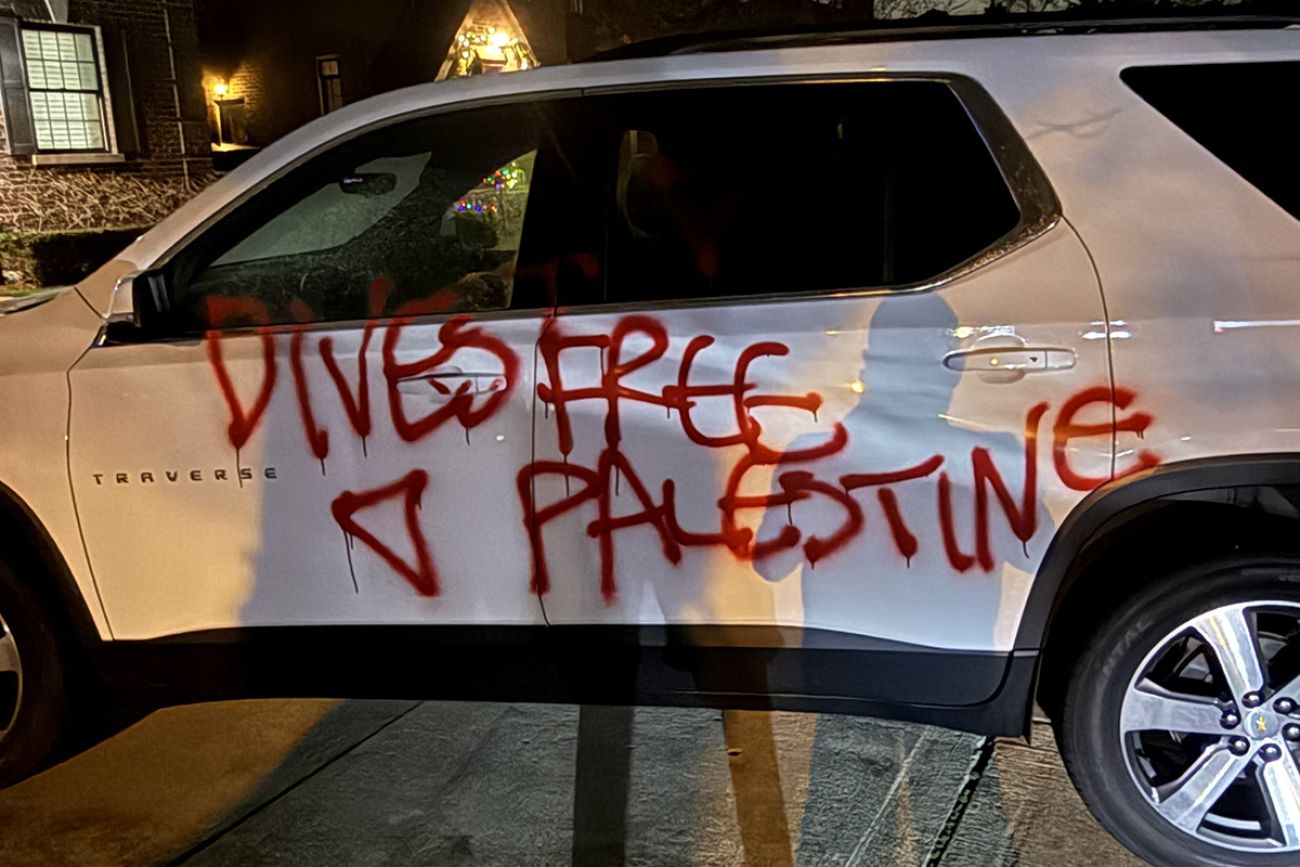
point(410, 488)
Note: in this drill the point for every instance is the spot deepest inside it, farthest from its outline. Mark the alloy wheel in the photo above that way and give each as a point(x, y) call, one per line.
point(1210, 727)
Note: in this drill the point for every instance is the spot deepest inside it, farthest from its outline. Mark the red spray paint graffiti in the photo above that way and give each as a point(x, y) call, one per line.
point(410, 489)
point(243, 423)
point(600, 483)
point(454, 335)
point(1066, 429)
point(318, 440)
point(794, 477)
point(357, 408)
point(903, 537)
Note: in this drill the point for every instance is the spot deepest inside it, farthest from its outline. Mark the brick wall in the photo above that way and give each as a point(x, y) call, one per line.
point(249, 82)
point(170, 158)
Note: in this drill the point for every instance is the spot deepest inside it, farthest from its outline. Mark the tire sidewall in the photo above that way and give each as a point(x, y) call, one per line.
point(41, 714)
point(1092, 741)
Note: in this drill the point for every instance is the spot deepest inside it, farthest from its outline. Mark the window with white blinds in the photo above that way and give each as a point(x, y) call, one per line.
point(65, 89)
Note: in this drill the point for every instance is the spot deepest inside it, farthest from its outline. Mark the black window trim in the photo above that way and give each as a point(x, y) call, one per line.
point(1036, 201)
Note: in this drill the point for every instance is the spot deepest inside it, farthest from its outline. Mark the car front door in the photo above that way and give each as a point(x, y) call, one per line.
point(839, 384)
point(325, 428)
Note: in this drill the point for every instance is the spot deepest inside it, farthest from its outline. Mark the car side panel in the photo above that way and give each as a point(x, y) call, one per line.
point(1199, 269)
point(222, 482)
point(947, 570)
point(37, 347)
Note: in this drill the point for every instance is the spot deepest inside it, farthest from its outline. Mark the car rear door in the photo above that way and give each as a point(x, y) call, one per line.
point(842, 375)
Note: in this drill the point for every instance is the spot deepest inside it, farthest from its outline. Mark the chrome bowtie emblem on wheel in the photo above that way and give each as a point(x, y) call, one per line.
point(1262, 724)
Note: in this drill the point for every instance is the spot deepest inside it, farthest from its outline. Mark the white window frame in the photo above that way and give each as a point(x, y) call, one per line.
point(59, 156)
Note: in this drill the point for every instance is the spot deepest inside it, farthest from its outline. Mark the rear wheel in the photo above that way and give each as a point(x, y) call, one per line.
point(32, 701)
point(1181, 726)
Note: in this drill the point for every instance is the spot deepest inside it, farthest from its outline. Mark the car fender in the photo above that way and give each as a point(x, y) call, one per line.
point(1119, 500)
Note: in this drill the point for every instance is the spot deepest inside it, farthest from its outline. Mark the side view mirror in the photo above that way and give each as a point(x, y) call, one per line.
point(368, 183)
point(141, 303)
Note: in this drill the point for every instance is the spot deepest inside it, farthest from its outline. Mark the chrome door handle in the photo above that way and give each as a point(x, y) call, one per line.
point(439, 385)
point(1018, 359)
point(490, 382)
point(443, 384)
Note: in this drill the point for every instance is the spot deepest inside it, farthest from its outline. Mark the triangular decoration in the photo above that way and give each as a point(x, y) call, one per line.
point(490, 39)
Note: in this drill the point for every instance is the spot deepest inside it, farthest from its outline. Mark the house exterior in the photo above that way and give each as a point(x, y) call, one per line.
point(268, 68)
point(102, 113)
point(271, 67)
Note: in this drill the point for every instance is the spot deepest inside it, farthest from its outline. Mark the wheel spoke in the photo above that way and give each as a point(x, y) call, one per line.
point(1150, 707)
point(1292, 691)
point(8, 653)
point(1281, 782)
point(1229, 634)
point(1185, 801)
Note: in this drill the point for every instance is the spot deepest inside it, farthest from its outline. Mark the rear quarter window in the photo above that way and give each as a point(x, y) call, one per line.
point(1243, 113)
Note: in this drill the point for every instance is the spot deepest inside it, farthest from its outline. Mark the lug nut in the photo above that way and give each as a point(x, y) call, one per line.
point(1284, 705)
point(1271, 752)
point(1291, 731)
point(1252, 699)
point(1230, 720)
point(1239, 746)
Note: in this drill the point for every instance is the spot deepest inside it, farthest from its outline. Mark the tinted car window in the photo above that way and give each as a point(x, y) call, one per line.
point(421, 217)
point(1233, 111)
point(725, 191)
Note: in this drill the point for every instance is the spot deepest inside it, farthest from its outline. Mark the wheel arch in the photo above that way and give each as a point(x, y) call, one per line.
point(25, 544)
point(1110, 545)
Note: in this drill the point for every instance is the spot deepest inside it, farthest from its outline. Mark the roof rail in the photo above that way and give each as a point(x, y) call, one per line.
point(934, 25)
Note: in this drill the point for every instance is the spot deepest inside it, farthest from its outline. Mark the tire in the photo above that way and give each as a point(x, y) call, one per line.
point(32, 699)
point(1126, 761)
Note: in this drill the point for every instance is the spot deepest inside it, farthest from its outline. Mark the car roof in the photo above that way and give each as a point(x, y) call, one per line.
point(993, 61)
point(936, 26)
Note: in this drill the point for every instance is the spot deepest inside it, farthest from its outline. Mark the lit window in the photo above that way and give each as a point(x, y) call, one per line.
point(330, 82)
point(481, 47)
point(65, 88)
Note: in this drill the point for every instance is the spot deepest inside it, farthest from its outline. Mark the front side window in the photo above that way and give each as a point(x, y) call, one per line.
point(423, 217)
point(65, 88)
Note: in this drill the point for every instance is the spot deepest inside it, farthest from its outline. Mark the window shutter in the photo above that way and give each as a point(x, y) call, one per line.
point(125, 119)
point(20, 134)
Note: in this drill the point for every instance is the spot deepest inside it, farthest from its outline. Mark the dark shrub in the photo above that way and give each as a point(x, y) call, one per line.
point(60, 258)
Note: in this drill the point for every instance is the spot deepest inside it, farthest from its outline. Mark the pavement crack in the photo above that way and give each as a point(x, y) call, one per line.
point(466, 766)
point(979, 765)
point(207, 841)
point(886, 802)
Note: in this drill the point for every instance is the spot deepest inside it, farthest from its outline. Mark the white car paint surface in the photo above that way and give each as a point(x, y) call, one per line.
point(923, 501)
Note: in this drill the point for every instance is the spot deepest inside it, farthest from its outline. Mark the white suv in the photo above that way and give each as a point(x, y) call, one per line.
point(914, 379)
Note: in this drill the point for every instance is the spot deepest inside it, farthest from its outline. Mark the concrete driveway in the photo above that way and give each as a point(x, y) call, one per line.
point(440, 783)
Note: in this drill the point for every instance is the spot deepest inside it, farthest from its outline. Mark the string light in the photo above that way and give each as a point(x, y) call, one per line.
point(509, 177)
